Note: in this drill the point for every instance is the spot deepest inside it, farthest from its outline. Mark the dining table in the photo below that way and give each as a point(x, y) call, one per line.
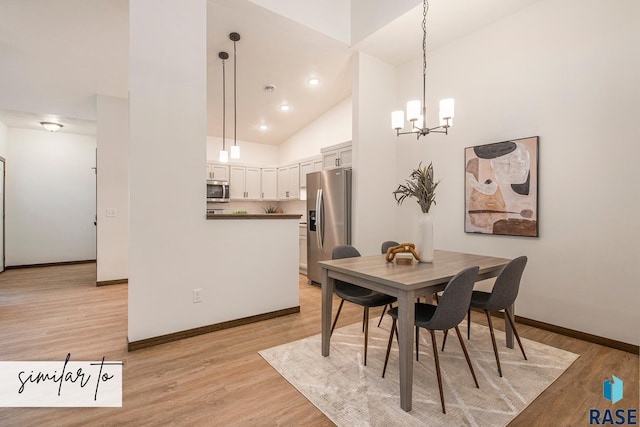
point(406, 283)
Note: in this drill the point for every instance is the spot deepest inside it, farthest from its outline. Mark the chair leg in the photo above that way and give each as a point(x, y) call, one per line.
point(384, 311)
point(437, 298)
point(515, 331)
point(386, 358)
point(366, 333)
point(493, 341)
point(466, 355)
point(435, 357)
point(444, 340)
point(336, 319)
point(417, 342)
point(469, 323)
point(363, 317)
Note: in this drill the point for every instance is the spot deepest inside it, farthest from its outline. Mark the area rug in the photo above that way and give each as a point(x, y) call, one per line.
point(351, 394)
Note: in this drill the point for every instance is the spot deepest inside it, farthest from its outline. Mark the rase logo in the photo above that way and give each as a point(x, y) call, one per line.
point(612, 390)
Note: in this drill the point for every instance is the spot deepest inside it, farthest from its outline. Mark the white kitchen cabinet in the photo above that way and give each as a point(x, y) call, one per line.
point(244, 183)
point(289, 182)
point(217, 172)
point(337, 156)
point(269, 183)
point(305, 168)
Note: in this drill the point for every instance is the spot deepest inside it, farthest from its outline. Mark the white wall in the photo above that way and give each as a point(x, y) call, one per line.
point(374, 154)
point(330, 17)
point(566, 71)
point(251, 153)
point(113, 188)
point(50, 197)
point(332, 127)
point(173, 249)
point(3, 140)
point(367, 16)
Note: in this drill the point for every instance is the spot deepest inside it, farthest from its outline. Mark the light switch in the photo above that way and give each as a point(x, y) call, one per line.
point(111, 212)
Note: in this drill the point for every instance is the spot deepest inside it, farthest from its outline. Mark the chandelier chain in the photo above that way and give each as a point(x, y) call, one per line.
point(425, 8)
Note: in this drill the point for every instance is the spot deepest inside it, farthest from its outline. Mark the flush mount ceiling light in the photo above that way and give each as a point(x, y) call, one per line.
point(224, 154)
point(51, 126)
point(313, 81)
point(235, 149)
point(285, 107)
point(418, 126)
point(263, 127)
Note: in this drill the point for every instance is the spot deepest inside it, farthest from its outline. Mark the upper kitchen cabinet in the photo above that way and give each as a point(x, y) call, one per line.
point(289, 182)
point(244, 183)
point(217, 172)
point(337, 156)
point(269, 183)
point(308, 166)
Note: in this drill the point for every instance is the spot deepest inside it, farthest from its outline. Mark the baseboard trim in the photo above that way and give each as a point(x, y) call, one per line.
point(49, 264)
point(572, 333)
point(112, 282)
point(176, 336)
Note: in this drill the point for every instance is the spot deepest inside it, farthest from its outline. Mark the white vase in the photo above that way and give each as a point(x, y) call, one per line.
point(424, 244)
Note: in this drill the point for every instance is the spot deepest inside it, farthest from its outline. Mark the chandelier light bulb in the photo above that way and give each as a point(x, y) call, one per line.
point(397, 120)
point(413, 110)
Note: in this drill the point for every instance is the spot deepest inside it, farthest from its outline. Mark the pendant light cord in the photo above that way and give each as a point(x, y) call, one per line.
point(235, 126)
point(224, 120)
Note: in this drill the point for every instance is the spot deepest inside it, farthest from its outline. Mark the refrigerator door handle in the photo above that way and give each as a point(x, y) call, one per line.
point(319, 219)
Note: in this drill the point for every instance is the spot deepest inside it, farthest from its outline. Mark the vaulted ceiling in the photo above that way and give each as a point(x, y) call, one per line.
point(56, 55)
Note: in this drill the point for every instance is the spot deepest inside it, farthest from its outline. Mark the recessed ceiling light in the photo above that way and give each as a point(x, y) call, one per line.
point(285, 107)
point(313, 81)
point(263, 127)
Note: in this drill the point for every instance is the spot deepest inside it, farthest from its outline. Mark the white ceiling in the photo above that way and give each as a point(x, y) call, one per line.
point(56, 55)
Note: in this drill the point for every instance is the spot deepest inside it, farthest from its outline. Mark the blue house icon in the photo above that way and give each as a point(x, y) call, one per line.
point(612, 389)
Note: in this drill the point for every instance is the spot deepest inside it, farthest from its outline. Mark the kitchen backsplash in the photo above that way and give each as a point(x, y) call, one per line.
point(289, 207)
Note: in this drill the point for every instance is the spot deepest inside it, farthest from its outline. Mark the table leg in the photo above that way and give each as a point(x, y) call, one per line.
point(507, 327)
point(327, 303)
point(406, 320)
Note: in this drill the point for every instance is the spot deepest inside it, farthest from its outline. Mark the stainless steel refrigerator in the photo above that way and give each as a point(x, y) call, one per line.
point(329, 216)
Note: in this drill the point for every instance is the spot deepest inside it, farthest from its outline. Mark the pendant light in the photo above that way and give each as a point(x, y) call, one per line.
point(235, 149)
point(224, 154)
point(418, 121)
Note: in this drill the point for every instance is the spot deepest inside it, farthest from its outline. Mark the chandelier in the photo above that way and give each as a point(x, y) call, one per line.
point(416, 113)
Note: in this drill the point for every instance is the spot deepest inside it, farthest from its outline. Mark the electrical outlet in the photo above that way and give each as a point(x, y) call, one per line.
point(111, 212)
point(197, 295)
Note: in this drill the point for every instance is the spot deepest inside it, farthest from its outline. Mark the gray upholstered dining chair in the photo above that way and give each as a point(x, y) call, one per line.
point(449, 312)
point(502, 296)
point(383, 248)
point(356, 294)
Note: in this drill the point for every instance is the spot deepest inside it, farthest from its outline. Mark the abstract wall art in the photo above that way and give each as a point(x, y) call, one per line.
point(501, 188)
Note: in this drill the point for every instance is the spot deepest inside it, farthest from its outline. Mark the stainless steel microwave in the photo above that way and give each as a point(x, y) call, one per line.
point(218, 191)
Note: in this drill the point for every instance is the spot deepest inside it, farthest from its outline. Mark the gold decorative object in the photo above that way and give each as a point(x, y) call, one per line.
point(403, 248)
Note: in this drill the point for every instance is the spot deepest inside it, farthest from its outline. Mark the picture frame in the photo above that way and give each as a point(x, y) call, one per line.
point(501, 188)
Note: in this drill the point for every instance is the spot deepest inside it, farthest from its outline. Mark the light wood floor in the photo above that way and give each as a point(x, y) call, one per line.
point(219, 378)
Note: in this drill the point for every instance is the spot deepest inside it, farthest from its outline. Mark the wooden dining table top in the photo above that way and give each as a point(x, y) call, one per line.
point(445, 265)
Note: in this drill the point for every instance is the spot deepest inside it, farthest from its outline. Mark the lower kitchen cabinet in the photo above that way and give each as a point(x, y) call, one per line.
point(303, 249)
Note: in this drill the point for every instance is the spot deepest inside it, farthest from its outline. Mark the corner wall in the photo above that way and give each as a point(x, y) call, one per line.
point(113, 188)
point(564, 71)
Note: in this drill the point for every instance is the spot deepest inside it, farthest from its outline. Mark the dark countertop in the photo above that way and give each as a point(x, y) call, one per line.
point(254, 216)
